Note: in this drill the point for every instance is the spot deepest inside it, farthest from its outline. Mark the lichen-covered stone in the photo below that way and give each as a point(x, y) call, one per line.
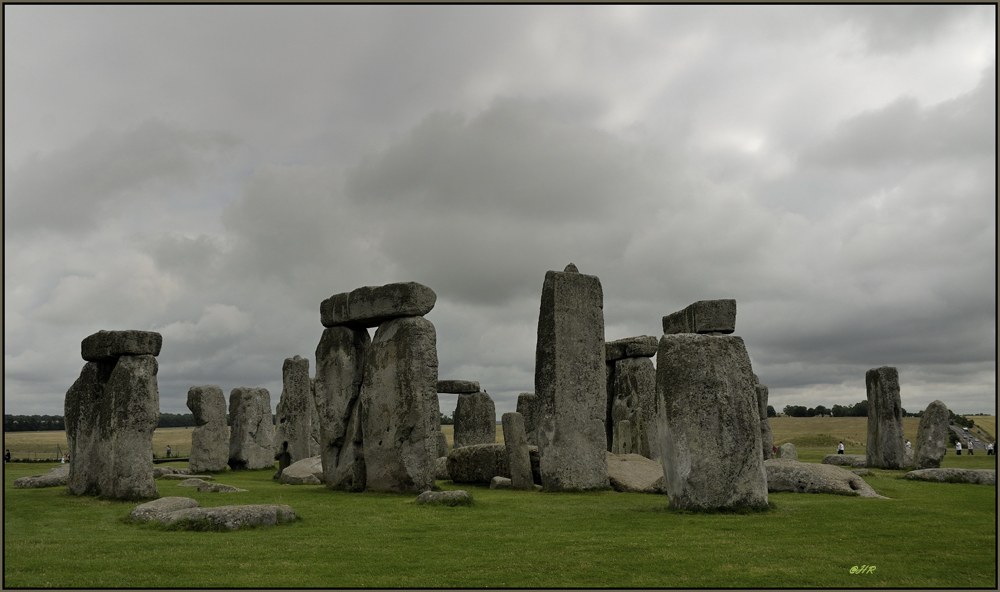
point(54, 478)
point(340, 359)
point(234, 517)
point(642, 346)
point(847, 460)
point(516, 445)
point(478, 463)
point(475, 420)
point(570, 382)
point(158, 508)
point(635, 473)
point(885, 448)
point(251, 440)
point(457, 386)
point(210, 436)
point(787, 452)
point(397, 392)
point(88, 450)
point(633, 394)
point(766, 436)
point(293, 431)
point(458, 497)
point(707, 421)
point(526, 407)
point(932, 437)
point(370, 306)
point(110, 345)
point(441, 469)
point(704, 316)
point(442, 443)
point(975, 476)
point(308, 471)
point(501, 483)
point(793, 476)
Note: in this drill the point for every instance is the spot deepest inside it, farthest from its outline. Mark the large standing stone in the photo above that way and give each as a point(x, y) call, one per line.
point(251, 441)
point(371, 306)
point(111, 412)
point(340, 359)
point(210, 437)
point(634, 400)
point(399, 384)
point(475, 420)
point(766, 435)
point(570, 382)
point(296, 408)
point(517, 451)
point(526, 405)
point(457, 386)
point(704, 316)
point(885, 448)
point(708, 424)
point(932, 436)
point(623, 437)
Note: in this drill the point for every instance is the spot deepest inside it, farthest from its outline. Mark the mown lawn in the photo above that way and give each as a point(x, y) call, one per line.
point(928, 535)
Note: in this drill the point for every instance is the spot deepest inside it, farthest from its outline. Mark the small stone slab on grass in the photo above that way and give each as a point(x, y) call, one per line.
point(458, 497)
point(205, 486)
point(54, 478)
point(798, 477)
point(857, 461)
point(976, 476)
point(500, 483)
point(182, 476)
point(181, 511)
point(635, 473)
point(308, 471)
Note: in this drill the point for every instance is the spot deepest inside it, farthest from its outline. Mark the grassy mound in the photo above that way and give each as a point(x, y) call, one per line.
point(819, 441)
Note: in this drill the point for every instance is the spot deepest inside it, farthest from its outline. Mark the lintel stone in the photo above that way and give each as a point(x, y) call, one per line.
point(643, 346)
point(370, 306)
point(457, 387)
point(110, 345)
point(704, 316)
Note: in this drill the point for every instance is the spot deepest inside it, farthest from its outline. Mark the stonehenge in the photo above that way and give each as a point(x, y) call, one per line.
point(517, 451)
point(210, 437)
point(111, 412)
point(526, 404)
point(251, 439)
point(569, 382)
point(631, 387)
point(766, 436)
point(708, 420)
point(932, 437)
point(475, 420)
point(293, 434)
point(885, 448)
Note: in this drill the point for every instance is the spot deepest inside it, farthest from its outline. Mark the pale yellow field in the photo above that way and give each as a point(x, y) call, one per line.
point(985, 423)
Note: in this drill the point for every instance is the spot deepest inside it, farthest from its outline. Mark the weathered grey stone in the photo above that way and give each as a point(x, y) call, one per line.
point(441, 469)
point(475, 420)
point(340, 359)
point(308, 471)
point(790, 475)
point(478, 463)
point(109, 345)
point(219, 488)
point(111, 412)
point(210, 436)
point(457, 386)
point(371, 306)
point(186, 479)
point(501, 483)
point(622, 443)
point(54, 478)
point(442, 443)
point(436, 412)
point(398, 389)
point(707, 422)
point(635, 473)
point(885, 448)
point(787, 452)
point(157, 508)
point(191, 482)
point(458, 497)
point(932, 437)
point(908, 457)
point(516, 446)
point(976, 476)
point(846, 460)
point(632, 390)
point(161, 470)
point(294, 415)
point(642, 346)
point(704, 316)
point(234, 517)
point(860, 471)
point(526, 407)
point(251, 440)
point(570, 382)
point(766, 435)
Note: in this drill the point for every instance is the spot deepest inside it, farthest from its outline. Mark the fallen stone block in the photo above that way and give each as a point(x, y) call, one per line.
point(500, 483)
point(458, 497)
point(704, 316)
point(846, 460)
point(219, 488)
point(234, 517)
point(109, 345)
point(308, 471)
point(635, 473)
point(370, 306)
point(793, 476)
point(457, 386)
point(184, 476)
point(158, 508)
point(976, 476)
point(56, 477)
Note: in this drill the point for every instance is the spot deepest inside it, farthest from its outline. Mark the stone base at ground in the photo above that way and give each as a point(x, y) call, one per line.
point(635, 473)
point(977, 476)
point(797, 477)
point(857, 461)
point(54, 478)
point(308, 471)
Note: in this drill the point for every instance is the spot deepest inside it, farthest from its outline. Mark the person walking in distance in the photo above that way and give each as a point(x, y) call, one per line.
point(958, 448)
point(840, 448)
point(168, 450)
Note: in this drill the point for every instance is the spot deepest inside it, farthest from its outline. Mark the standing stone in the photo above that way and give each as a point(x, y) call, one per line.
point(885, 448)
point(570, 382)
point(296, 407)
point(517, 451)
point(442, 444)
point(111, 412)
point(634, 383)
point(371, 306)
point(704, 316)
point(932, 437)
point(766, 435)
point(475, 420)
point(623, 437)
point(526, 407)
point(399, 383)
point(340, 358)
point(251, 441)
point(708, 425)
point(210, 437)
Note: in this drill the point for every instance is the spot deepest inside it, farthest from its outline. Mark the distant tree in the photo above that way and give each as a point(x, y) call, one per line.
point(795, 410)
point(771, 412)
point(859, 409)
point(811, 412)
point(445, 420)
point(822, 411)
point(840, 411)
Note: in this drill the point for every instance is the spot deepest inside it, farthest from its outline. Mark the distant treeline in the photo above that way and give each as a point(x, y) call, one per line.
point(859, 409)
point(45, 423)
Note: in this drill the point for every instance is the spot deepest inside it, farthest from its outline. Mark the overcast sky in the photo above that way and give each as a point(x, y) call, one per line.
point(214, 172)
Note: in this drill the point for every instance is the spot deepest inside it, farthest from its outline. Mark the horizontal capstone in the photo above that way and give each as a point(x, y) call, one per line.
point(704, 316)
point(457, 386)
point(109, 345)
point(370, 306)
point(643, 346)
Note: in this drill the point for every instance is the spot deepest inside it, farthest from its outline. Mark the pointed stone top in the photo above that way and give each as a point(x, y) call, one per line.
point(571, 268)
